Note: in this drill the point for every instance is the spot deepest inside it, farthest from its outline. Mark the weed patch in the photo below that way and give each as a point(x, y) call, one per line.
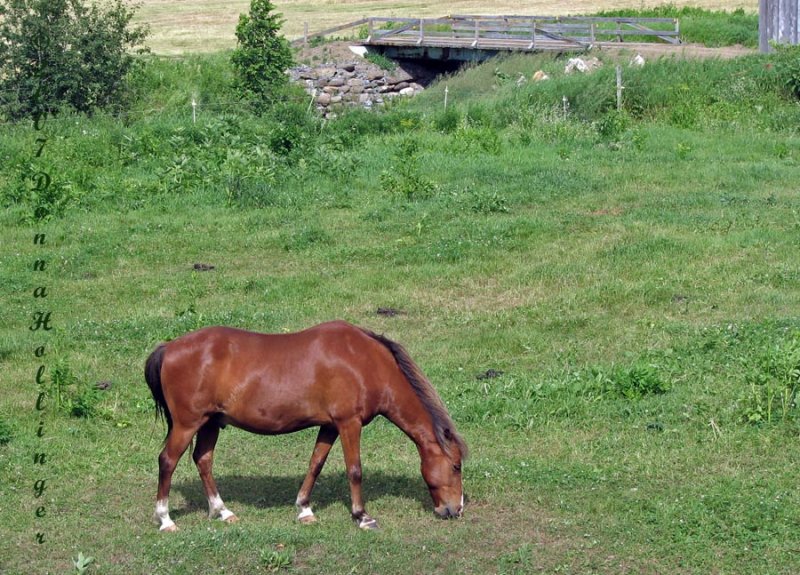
point(404, 178)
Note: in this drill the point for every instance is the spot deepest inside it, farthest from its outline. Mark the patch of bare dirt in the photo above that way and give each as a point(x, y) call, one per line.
point(327, 53)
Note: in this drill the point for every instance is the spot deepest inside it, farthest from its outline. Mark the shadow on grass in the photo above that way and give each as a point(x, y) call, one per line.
point(266, 492)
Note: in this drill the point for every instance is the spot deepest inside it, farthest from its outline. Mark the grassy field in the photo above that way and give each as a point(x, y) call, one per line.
point(209, 26)
point(634, 275)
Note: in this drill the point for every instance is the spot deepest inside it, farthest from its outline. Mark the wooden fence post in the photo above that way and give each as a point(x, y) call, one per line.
point(533, 35)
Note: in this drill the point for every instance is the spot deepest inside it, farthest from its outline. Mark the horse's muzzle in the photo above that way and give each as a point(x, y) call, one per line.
point(448, 512)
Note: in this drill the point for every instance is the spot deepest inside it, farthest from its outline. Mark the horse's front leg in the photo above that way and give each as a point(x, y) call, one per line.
point(325, 439)
point(350, 432)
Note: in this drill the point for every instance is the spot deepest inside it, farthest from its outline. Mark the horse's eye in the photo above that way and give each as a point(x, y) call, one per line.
point(457, 468)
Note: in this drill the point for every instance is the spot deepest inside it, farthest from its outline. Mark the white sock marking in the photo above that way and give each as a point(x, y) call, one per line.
point(162, 515)
point(217, 508)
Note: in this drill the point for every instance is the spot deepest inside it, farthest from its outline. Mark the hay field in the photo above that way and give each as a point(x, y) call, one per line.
point(209, 25)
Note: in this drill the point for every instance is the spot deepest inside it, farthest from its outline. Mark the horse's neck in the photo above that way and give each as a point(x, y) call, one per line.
point(409, 414)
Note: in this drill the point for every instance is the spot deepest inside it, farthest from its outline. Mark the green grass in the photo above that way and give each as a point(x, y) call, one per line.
point(703, 26)
point(634, 276)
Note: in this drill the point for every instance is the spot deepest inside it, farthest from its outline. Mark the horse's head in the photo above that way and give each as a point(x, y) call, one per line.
point(442, 473)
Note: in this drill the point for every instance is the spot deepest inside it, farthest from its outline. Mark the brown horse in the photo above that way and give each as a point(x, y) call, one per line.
point(334, 375)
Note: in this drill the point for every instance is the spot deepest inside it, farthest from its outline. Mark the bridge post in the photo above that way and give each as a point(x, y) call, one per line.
point(533, 35)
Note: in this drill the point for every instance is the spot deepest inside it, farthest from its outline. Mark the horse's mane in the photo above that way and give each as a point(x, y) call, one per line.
point(443, 427)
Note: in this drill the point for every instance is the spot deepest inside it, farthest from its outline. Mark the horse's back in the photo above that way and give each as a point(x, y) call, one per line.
point(274, 383)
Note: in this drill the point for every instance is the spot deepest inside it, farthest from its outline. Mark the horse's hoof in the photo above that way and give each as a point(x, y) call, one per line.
point(231, 519)
point(169, 528)
point(308, 519)
point(368, 524)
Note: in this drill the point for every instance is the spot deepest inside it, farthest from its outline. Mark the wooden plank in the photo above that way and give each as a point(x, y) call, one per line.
point(588, 19)
point(331, 30)
point(667, 35)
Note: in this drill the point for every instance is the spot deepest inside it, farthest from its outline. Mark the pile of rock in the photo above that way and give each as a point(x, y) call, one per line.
point(353, 84)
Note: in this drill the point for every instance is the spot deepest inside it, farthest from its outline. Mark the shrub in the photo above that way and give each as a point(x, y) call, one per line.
point(404, 177)
point(262, 55)
point(70, 395)
point(447, 121)
point(59, 54)
point(612, 125)
point(787, 65)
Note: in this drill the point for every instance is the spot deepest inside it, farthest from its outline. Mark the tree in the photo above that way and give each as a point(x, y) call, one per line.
point(59, 54)
point(262, 55)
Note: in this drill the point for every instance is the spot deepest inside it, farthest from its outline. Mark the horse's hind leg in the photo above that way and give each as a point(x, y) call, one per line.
point(325, 439)
point(204, 459)
point(177, 442)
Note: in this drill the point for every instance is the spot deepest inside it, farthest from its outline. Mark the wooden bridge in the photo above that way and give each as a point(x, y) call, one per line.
point(475, 37)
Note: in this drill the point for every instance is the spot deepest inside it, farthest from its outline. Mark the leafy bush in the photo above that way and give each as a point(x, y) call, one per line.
point(787, 64)
point(262, 55)
point(70, 395)
point(612, 125)
point(85, 402)
point(59, 54)
point(293, 128)
point(480, 137)
point(447, 121)
point(404, 178)
point(41, 202)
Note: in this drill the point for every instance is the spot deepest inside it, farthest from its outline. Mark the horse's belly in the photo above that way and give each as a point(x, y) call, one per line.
point(269, 427)
point(273, 419)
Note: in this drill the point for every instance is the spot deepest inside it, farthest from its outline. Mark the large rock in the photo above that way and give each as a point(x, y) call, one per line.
point(582, 65)
point(353, 84)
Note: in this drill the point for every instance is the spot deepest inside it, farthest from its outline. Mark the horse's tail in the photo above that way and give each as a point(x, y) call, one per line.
point(443, 425)
point(152, 375)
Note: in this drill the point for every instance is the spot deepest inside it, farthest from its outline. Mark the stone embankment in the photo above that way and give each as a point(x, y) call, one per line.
point(334, 86)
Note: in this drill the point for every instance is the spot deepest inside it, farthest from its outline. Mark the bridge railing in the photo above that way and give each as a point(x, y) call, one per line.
point(495, 30)
point(515, 32)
